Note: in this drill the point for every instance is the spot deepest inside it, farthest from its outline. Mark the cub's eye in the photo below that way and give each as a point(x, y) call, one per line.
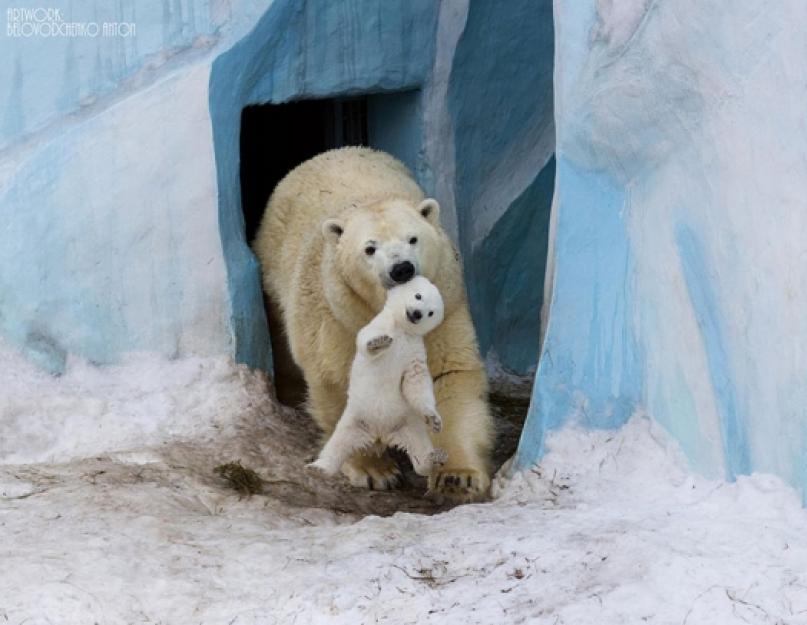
point(413, 240)
point(431, 313)
point(418, 296)
point(369, 250)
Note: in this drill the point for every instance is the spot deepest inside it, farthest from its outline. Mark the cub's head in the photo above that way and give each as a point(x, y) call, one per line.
point(417, 306)
point(385, 244)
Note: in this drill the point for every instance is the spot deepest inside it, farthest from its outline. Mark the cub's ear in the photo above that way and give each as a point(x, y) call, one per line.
point(430, 210)
point(332, 229)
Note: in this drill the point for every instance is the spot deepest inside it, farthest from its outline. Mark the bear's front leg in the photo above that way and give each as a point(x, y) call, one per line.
point(466, 437)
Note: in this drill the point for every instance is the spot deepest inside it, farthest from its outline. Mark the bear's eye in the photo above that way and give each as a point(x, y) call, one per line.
point(369, 250)
point(418, 296)
point(431, 313)
point(413, 240)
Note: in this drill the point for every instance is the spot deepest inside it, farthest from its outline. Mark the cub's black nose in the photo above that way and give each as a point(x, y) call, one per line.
point(417, 315)
point(402, 272)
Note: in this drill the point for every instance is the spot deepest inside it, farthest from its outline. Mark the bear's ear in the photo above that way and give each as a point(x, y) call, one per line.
point(332, 229)
point(430, 210)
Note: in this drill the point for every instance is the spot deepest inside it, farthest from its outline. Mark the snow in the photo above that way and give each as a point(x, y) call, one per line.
point(111, 513)
point(91, 410)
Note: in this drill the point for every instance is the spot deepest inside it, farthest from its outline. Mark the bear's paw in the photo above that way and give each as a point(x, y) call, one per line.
point(373, 472)
point(458, 484)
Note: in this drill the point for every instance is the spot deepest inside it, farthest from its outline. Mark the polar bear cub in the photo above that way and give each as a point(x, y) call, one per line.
point(390, 393)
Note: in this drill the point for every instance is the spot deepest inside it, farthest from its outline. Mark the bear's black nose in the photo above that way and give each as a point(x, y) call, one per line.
point(417, 315)
point(402, 272)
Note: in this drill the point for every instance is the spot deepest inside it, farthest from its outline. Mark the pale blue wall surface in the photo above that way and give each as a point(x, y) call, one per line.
point(590, 369)
point(678, 283)
point(51, 76)
point(106, 176)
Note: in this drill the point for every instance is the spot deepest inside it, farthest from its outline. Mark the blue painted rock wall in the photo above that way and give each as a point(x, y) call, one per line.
point(677, 273)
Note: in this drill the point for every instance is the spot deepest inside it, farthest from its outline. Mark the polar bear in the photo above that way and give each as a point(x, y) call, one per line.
point(390, 398)
point(337, 232)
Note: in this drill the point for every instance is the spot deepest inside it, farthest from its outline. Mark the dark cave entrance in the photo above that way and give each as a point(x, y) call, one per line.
point(275, 138)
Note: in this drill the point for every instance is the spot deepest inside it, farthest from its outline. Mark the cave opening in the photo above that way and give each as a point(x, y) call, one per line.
point(275, 138)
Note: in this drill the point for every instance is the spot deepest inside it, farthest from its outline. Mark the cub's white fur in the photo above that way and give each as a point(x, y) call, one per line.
point(390, 399)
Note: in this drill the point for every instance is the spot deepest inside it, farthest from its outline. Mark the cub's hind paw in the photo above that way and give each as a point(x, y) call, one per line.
point(434, 421)
point(378, 343)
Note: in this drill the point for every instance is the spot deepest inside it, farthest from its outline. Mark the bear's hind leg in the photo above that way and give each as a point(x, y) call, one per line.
point(326, 403)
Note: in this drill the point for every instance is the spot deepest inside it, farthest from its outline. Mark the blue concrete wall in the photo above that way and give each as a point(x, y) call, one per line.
point(107, 245)
point(395, 125)
point(590, 369)
point(53, 76)
point(506, 276)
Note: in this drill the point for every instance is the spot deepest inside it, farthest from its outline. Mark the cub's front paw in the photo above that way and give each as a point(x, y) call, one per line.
point(434, 421)
point(378, 344)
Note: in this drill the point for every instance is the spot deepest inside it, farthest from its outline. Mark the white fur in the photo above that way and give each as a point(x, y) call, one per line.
point(391, 398)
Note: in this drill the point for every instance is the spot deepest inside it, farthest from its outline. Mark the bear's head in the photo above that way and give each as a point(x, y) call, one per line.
point(417, 306)
point(384, 244)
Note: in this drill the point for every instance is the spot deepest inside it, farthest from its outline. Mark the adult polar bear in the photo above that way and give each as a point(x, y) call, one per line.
point(338, 231)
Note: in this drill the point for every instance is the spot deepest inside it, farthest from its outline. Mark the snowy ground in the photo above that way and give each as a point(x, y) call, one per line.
point(611, 528)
